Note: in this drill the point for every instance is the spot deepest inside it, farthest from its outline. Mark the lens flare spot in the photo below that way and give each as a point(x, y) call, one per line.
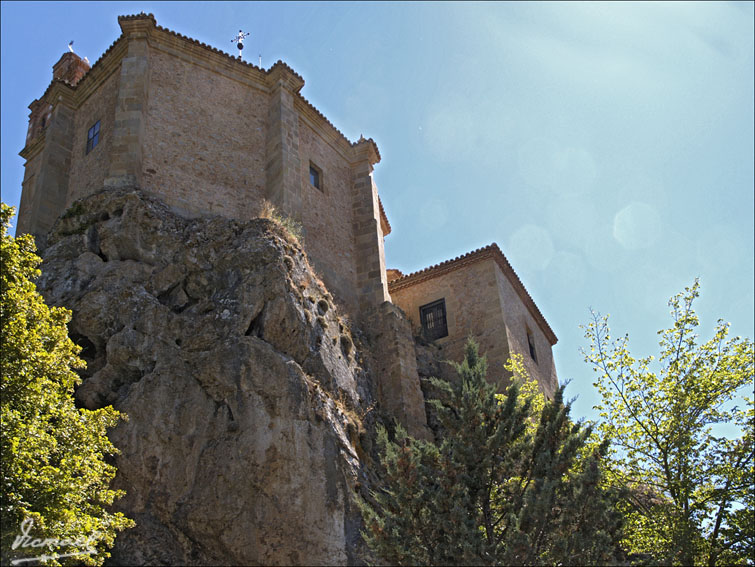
point(637, 226)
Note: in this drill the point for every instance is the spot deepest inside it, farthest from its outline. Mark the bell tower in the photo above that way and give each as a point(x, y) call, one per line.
point(70, 68)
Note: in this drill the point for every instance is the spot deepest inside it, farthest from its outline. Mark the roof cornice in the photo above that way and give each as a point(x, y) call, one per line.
point(105, 66)
point(61, 91)
point(385, 226)
point(33, 147)
point(365, 149)
point(145, 25)
point(488, 252)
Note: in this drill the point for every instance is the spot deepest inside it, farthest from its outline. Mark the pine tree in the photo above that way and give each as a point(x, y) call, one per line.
point(513, 481)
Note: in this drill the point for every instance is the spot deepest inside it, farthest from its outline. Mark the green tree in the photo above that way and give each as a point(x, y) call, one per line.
point(507, 484)
point(54, 474)
point(691, 485)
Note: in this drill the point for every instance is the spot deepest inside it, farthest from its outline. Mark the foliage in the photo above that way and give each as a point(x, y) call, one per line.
point(691, 486)
point(506, 485)
point(54, 474)
point(292, 227)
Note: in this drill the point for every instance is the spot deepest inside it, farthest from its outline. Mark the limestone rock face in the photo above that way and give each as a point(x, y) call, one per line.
point(242, 383)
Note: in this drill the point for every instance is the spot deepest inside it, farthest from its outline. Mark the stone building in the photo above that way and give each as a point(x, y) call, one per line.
point(211, 134)
point(479, 294)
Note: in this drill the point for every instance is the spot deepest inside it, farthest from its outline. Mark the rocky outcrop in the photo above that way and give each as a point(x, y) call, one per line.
point(395, 359)
point(243, 386)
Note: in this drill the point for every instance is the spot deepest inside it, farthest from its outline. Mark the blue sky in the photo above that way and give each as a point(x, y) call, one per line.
point(607, 148)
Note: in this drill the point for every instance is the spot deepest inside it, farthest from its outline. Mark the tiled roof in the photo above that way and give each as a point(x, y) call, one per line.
point(139, 16)
point(235, 59)
point(238, 60)
point(490, 251)
point(384, 218)
point(393, 274)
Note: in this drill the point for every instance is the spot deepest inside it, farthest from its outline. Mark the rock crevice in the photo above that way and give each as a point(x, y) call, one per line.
point(242, 382)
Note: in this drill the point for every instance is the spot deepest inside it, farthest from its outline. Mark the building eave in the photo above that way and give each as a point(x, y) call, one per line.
point(385, 226)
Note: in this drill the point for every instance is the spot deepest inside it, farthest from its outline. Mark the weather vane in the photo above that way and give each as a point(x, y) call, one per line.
point(239, 40)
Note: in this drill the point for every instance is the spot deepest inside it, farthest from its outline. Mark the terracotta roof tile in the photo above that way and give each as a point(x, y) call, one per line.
point(393, 274)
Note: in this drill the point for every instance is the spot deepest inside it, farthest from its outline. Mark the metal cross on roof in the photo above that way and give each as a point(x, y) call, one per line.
point(239, 40)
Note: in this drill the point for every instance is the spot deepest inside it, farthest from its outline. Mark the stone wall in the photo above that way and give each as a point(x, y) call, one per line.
point(326, 214)
point(205, 139)
point(25, 207)
point(48, 154)
point(518, 321)
point(482, 302)
point(88, 171)
point(472, 307)
point(395, 360)
point(209, 134)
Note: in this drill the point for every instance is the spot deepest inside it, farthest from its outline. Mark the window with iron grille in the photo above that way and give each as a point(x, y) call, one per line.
point(433, 317)
point(531, 342)
point(93, 136)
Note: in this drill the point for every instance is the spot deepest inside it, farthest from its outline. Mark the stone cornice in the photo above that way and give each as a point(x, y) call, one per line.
point(33, 105)
point(281, 75)
point(237, 69)
point(60, 91)
point(105, 66)
point(324, 129)
point(317, 118)
point(488, 252)
point(34, 147)
point(208, 57)
point(365, 150)
point(385, 226)
point(145, 26)
point(136, 23)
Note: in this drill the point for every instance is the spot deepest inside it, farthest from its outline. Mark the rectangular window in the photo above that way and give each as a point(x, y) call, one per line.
point(531, 343)
point(93, 136)
point(433, 317)
point(315, 176)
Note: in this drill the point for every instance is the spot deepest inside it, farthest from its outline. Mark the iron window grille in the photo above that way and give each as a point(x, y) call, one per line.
point(433, 317)
point(93, 136)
